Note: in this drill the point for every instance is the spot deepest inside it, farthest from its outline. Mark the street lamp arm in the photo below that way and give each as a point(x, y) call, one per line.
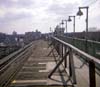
point(71, 16)
point(84, 7)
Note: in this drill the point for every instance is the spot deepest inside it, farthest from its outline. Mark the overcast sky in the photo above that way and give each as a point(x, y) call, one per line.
point(28, 15)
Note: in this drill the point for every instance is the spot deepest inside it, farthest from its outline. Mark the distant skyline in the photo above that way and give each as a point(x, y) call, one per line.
point(28, 15)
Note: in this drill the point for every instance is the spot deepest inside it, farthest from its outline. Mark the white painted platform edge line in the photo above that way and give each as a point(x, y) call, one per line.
point(45, 48)
point(42, 63)
point(34, 67)
point(27, 81)
point(43, 70)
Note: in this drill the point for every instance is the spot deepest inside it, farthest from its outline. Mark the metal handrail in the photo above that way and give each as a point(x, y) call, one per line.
point(92, 61)
point(89, 46)
point(89, 57)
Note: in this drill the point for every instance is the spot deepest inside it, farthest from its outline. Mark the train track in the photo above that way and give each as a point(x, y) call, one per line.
point(11, 64)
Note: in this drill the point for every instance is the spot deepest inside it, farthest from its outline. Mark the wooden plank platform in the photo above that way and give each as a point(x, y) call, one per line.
point(36, 69)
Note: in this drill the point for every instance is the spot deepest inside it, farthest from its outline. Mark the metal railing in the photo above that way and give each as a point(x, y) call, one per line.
point(65, 49)
point(88, 46)
point(11, 64)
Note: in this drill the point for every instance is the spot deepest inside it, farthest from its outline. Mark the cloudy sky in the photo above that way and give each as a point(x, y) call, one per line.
point(29, 15)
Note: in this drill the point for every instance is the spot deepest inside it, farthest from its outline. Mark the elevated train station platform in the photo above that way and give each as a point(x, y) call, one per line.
point(39, 65)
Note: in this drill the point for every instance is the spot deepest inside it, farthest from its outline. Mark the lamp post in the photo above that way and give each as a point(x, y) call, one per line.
point(62, 23)
point(51, 31)
point(80, 13)
point(69, 19)
point(66, 24)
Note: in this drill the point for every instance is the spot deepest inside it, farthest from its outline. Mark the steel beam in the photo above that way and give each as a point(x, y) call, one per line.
point(59, 63)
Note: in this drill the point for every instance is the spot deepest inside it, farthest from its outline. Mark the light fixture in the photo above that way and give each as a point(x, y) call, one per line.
point(62, 22)
point(79, 13)
point(69, 19)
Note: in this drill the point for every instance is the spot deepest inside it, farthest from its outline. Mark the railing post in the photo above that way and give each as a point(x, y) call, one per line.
point(70, 70)
point(60, 62)
point(86, 46)
point(57, 48)
point(71, 66)
point(62, 50)
point(92, 76)
point(65, 62)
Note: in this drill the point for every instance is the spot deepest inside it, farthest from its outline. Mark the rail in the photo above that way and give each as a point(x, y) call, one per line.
point(65, 49)
point(11, 64)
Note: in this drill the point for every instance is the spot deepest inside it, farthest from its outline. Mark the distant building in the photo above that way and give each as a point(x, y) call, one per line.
point(31, 36)
point(2, 37)
point(10, 40)
point(19, 39)
point(14, 33)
